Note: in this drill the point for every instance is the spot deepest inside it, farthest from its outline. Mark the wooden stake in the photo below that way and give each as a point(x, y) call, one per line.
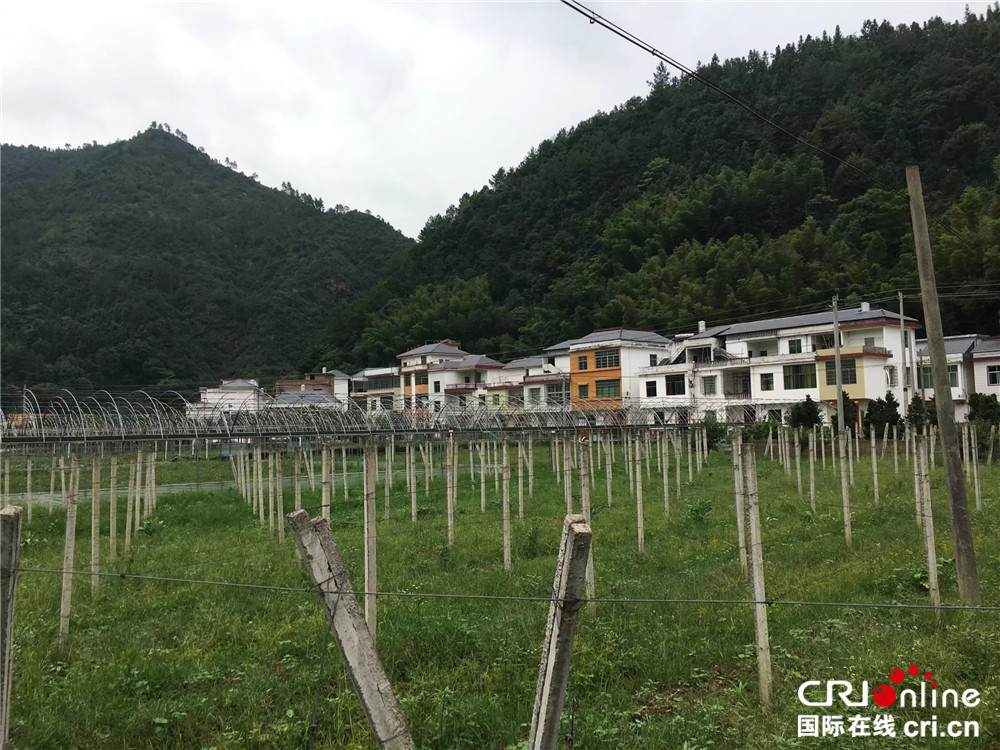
point(757, 577)
point(95, 525)
point(665, 470)
point(560, 629)
point(639, 520)
point(928, 520)
point(113, 502)
point(297, 477)
point(738, 494)
point(280, 465)
point(355, 641)
point(974, 449)
point(270, 491)
point(812, 470)
point(798, 461)
point(129, 501)
point(10, 561)
point(449, 500)
point(324, 481)
point(371, 581)
point(844, 491)
point(506, 506)
point(874, 468)
point(69, 544)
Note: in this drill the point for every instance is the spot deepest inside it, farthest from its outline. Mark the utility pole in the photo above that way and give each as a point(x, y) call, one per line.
point(845, 494)
point(961, 526)
point(836, 364)
point(902, 353)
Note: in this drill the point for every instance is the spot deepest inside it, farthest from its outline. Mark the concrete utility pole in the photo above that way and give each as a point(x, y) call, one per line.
point(842, 442)
point(903, 372)
point(836, 364)
point(965, 553)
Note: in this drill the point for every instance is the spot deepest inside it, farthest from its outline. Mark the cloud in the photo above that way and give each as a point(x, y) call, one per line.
point(399, 108)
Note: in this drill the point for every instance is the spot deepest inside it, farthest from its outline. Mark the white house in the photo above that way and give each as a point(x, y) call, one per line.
point(959, 356)
point(234, 395)
point(986, 366)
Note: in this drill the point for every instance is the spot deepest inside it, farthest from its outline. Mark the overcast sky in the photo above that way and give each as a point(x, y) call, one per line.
point(399, 108)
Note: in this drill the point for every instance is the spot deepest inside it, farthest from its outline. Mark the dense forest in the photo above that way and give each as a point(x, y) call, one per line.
point(681, 206)
point(147, 262)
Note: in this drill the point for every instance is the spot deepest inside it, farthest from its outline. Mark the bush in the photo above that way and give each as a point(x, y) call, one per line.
point(804, 414)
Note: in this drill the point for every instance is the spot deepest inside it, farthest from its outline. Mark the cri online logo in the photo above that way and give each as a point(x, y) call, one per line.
point(886, 695)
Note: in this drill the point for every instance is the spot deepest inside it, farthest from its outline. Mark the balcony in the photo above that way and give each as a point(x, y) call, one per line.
point(874, 351)
point(459, 387)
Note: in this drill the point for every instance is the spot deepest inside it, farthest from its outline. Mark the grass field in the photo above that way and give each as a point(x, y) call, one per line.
point(157, 664)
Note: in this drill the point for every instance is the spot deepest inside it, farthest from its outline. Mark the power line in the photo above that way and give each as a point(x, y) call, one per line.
point(614, 28)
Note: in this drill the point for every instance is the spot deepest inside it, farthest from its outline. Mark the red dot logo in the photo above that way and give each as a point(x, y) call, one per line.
point(933, 684)
point(884, 695)
point(896, 676)
point(928, 676)
point(914, 669)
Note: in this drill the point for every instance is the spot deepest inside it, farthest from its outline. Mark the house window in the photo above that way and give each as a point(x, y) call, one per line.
point(708, 385)
point(993, 374)
point(535, 395)
point(468, 379)
point(550, 361)
point(763, 353)
point(652, 360)
point(869, 341)
point(406, 380)
point(675, 385)
point(422, 401)
point(386, 402)
point(799, 376)
point(927, 379)
point(479, 378)
point(848, 371)
point(423, 359)
point(767, 381)
point(823, 341)
point(557, 393)
point(496, 399)
point(795, 346)
point(437, 386)
point(891, 376)
point(581, 363)
point(407, 403)
point(420, 378)
point(583, 391)
point(608, 388)
point(607, 358)
point(651, 388)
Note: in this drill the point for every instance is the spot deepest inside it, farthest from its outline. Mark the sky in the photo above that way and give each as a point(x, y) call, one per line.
point(397, 108)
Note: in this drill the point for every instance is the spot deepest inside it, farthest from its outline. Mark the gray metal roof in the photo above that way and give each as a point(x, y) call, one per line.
point(524, 363)
point(952, 344)
point(855, 315)
point(987, 346)
point(446, 347)
point(305, 398)
point(614, 334)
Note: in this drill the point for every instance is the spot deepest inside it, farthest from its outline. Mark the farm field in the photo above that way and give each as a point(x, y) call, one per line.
point(155, 664)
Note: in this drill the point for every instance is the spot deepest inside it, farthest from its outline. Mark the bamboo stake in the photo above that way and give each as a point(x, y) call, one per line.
point(113, 502)
point(95, 525)
point(757, 577)
point(69, 543)
point(506, 506)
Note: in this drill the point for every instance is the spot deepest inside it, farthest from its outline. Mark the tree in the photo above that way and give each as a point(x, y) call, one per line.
point(850, 409)
point(881, 412)
point(983, 408)
point(921, 413)
point(805, 414)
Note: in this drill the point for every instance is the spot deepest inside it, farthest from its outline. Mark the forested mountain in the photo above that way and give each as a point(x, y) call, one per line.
point(681, 206)
point(146, 262)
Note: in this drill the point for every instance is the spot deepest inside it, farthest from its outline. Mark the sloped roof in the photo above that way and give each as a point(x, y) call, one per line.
point(239, 383)
point(952, 344)
point(638, 335)
point(524, 363)
point(990, 345)
point(305, 398)
point(846, 317)
point(446, 347)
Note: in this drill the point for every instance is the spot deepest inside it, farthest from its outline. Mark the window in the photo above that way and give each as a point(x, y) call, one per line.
point(891, 376)
point(675, 385)
point(557, 393)
point(386, 402)
point(652, 360)
point(437, 406)
point(407, 403)
point(437, 386)
point(993, 374)
point(927, 379)
point(795, 346)
point(468, 379)
point(406, 380)
point(535, 395)
point(848, 371)
point(422, 401)
point(583, 391)
point(550, 361)
point(420, 378)
point(708, 385)
point(823, 341)
point(774, 415)
point(767, 381)
point(607, 358)
point(651, 388)
point(799, 376)
point(423, 359)
point(763, 353)
point(869, 341)
point(581, 363)
point(496, 399)
point(479, 378)
point(608, 388)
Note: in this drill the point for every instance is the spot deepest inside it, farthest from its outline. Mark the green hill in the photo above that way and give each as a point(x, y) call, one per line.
point(146, 262)
point(680, 206)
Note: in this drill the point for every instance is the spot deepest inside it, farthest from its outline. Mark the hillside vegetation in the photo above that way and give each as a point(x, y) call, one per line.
point(148, 262)
point(681, 206)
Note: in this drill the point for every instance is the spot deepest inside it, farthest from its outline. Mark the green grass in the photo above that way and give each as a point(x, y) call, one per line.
point(155, 664)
